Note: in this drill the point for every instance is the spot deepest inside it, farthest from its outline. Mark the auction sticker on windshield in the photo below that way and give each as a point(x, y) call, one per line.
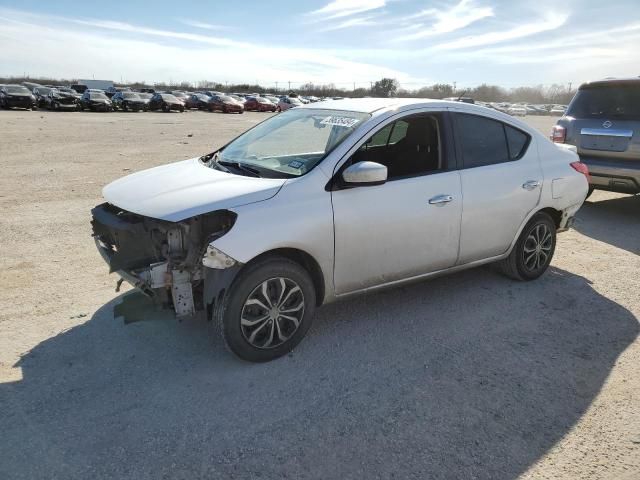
point(347, 122)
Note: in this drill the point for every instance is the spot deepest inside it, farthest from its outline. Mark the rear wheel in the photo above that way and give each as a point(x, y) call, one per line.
point(165, 108)
point(533, 251)
point(268, 310)
point(590, 191)
point(125, 107)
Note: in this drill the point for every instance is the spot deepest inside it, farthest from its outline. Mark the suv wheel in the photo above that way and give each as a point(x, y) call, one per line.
point(533, 251)
point(268, 310)
point(165, 108)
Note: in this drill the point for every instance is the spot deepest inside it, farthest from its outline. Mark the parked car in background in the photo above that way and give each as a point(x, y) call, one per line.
point(182, 96)
point(146, 97)
point(16, 96)
point(558, 110)
point(111, 91)
point(238, 98)
point(79, 88)
point(223, 233)
point(96, 101)
point(517, 110)
point(273, 99)
point(129, 101)
point(199, 101)
point(211, 93)
point(603, 122)
point(226, 104)
point(285, 103)
point(165, 102)
point(259, 104)
point(61, 100)
point(41, 93)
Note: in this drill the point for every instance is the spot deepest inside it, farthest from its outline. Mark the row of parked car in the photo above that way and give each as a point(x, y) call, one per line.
point(524, 109)
point(55, 97)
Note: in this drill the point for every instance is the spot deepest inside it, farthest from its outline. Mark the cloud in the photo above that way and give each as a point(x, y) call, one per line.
point(345, 8)
point(39, 45)
point(551, 21)
point(203, 25)
point(455, 18)
point(352, 22)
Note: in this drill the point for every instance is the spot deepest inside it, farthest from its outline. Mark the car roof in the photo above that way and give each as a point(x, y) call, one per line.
point(371, 105)
point(611, 80)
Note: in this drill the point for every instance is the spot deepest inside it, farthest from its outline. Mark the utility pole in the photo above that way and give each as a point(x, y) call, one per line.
point(276, 87)
point(289, 85)
point(454, 86)
point(569, 87)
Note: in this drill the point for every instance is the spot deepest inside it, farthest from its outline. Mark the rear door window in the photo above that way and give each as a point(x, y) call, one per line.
point(484, 141)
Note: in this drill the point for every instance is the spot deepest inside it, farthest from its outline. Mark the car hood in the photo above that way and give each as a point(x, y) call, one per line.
point(185, 189)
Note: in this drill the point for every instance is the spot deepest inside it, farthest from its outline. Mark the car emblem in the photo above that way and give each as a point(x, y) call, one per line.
point(607, 124)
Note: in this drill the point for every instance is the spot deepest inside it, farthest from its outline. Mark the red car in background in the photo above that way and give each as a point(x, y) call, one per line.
point(259, 104)
point(226, 104)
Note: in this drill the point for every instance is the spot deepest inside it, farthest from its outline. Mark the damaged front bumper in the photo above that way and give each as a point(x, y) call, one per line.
point(173, 263)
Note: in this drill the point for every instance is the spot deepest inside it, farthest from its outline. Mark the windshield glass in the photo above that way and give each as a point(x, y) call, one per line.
point(226, 98)
point(17, 90)
point(130, 95)
point(615, 101)
point(168, 98)
point(145, 95)
point(294, 142)
point(44, 90)
point(97, 96)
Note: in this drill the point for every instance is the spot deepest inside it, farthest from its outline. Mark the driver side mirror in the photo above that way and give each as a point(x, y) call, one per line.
point(364, 174)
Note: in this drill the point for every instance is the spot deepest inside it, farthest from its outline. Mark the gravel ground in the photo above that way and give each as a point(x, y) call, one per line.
point(467, 376)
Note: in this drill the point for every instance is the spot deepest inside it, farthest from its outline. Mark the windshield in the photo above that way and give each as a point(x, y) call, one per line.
point(130, 95)
point(294, 142)
point(614, 101)
point(17, 90)
point(168, 98)
point(44, 90)
point(145, 95)
point(97, 96)
point(225, 98)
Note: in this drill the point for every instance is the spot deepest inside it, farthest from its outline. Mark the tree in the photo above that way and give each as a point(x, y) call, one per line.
point(386, 87)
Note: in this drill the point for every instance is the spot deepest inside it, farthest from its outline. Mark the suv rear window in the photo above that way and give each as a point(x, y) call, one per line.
point(610, 101)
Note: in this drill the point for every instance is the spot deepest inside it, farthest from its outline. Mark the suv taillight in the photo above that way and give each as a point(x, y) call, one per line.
point(582, 168)
point(558, 134)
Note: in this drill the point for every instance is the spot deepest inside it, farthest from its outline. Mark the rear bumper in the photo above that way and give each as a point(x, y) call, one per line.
point(613, 174)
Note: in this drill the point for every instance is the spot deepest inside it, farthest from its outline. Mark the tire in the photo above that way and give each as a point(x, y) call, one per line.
point(241, 112)
point(278, 109)
point(125, 107)
point(182, 110)
point(590, 191)
point(262, 342)
point(224, 110)
point(526, 261)
point(165, 108)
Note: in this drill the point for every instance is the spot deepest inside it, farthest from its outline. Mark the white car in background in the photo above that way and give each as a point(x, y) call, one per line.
point(334, 199)
point(517, 110)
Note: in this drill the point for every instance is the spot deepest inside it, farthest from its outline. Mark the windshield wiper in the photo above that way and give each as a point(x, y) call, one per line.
point(211, 160)
point(240, 166)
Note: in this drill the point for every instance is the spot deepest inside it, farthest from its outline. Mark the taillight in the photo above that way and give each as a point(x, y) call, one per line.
point(558, 134)
point(582, 168)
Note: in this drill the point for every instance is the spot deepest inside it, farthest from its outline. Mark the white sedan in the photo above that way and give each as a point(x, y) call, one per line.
point(334, 199)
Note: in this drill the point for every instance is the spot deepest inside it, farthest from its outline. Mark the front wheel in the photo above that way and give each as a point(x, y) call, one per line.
point(268, 310)
point(165, 108)
point(533, 251)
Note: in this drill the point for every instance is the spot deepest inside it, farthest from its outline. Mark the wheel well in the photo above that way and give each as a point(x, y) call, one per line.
point(556, 215)
point(306, 261)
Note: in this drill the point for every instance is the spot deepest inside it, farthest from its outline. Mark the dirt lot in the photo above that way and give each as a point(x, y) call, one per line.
point(468, 376)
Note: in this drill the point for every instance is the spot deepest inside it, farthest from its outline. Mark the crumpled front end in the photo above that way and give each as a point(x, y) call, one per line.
point(162, 259)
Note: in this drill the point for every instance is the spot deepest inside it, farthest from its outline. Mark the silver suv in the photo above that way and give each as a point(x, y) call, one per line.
point(603, 122)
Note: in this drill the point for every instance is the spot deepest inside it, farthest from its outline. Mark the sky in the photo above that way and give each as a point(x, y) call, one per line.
point(345, 42)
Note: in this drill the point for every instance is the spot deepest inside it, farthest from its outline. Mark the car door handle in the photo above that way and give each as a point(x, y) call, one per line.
point(440, 200)
point(531, 185)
